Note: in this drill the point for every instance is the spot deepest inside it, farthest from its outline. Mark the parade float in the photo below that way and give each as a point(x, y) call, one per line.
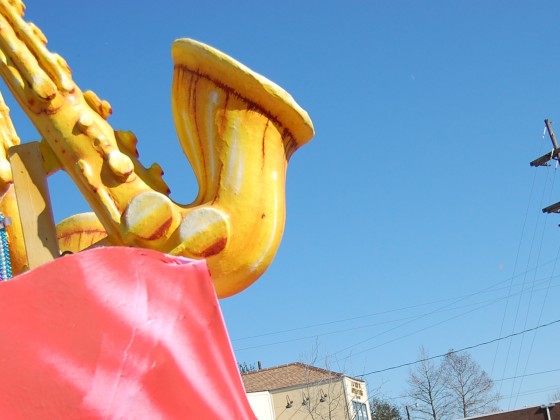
point(115, 313)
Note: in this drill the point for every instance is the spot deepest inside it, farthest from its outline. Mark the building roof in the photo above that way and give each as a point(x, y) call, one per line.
point(285, 376)
point(527, 413)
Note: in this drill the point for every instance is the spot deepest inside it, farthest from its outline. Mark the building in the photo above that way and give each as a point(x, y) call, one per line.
point(540, 412)
point(298, 391)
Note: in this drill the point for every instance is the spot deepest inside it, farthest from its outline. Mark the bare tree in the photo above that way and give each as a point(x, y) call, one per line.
point(427, 388)
point(324, 400)
point(470, 387)
point(328, 394)
point(457, 387)
point(555, 396)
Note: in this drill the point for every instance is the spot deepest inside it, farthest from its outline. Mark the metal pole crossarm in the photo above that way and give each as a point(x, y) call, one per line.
point(554, 154)
point(544, 159)
point(554, 208)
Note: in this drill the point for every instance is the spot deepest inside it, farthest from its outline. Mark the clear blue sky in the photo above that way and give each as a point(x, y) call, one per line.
point(413, 216)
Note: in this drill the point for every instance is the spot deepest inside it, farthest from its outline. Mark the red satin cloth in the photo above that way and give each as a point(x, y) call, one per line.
point(116, 333)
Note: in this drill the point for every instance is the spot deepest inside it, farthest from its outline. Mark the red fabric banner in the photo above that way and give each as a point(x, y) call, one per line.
point(116, 333)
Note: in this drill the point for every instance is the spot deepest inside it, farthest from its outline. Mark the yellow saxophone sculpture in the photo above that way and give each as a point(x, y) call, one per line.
point(237, 129)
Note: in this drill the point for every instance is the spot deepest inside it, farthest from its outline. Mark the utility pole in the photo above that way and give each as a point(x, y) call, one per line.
point(544, 159)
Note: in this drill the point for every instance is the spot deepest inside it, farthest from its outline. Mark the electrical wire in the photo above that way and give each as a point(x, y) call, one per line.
point(529, 201)
point(525, 375)
point(535, 334)
point(544, 372)
point(415, 331)
point(484, 343)
point(491, 288)
point(515, 266)
point(529, 303)
point(518, 307)
point(480, 305)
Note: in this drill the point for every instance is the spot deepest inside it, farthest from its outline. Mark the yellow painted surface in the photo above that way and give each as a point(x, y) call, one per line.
point(8, 201)
point(79, 232)
point(237, 128)
point(34, 204)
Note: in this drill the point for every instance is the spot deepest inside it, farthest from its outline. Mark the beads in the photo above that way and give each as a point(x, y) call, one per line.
point(5, 261)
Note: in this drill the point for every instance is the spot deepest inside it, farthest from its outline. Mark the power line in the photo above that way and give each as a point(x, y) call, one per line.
point(460, 350)
point(492, 288)
point(517, 310)
point(410, 333)
point(543, 372)
point(444, 308)
point(524, 225)
point(539, 320)
point(525, 375)
point(527, 392)
point(479, 305)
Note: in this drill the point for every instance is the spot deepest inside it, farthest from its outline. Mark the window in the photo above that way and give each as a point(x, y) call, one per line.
point(360, 410)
